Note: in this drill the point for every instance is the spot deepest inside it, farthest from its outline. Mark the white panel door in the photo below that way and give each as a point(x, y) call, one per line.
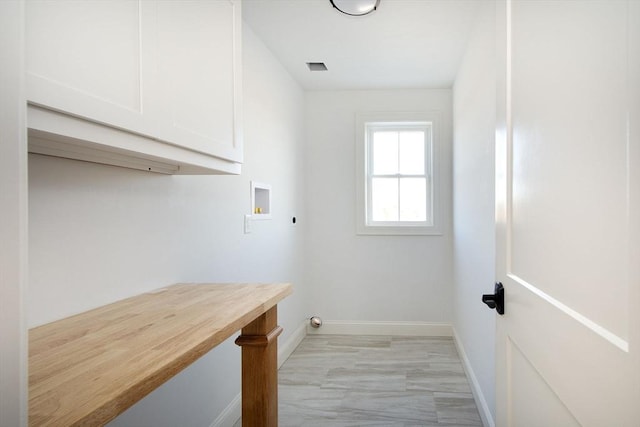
point(568, 213)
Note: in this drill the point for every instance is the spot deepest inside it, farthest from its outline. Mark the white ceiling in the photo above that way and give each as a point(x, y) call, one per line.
point(403, 44)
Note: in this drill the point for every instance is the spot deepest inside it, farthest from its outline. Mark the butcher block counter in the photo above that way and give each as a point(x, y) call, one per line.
point(88, 368)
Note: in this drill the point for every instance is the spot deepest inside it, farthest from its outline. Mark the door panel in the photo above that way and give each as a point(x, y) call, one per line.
point(85, 56)
point(201, 83)
point(527, 385)
point(566, 213)
point(569, 154)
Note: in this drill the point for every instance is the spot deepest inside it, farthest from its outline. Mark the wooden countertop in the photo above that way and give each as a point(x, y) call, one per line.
point(87, 369)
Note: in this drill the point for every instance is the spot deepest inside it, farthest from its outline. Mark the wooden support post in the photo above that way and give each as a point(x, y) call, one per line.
point(259, 342)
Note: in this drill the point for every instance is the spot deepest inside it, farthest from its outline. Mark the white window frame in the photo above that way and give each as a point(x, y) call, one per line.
point(366, 123)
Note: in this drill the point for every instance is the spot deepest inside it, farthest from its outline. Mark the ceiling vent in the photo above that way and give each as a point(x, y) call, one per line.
point(316, 66)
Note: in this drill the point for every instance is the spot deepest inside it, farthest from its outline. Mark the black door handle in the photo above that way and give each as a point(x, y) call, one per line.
point(495, 300)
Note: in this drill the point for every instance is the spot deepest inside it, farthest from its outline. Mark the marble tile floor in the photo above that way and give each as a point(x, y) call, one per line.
point(348, 381)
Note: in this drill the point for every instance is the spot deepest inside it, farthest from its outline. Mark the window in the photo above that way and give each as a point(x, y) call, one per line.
point(396, 174)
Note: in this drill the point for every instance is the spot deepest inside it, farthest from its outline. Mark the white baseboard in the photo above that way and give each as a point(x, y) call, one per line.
point(285, 349)
point(418, 329)
point(232, 413)
point(481, 402)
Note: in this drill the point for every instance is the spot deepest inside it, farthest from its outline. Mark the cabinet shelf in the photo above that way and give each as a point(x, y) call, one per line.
point(61, 135)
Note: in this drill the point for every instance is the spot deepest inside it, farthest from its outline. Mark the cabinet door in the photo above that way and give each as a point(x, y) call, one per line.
point(199, 73)
point(89, 59)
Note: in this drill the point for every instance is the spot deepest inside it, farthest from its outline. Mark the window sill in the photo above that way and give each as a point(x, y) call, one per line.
point(363, 230)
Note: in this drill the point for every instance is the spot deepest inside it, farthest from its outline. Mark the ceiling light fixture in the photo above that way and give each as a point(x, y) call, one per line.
point(355, 7)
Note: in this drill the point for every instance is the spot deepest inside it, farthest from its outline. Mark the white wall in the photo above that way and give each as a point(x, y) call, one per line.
point(101, 233)
point(370, 278)
point(13, 224)
point(474, 100)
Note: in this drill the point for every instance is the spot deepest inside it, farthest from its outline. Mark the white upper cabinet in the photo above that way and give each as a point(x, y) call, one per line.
point(197, 68)
point(153, 85)
point(85, 58)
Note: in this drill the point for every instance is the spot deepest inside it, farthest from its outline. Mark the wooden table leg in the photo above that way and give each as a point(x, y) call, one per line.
point(259, 342)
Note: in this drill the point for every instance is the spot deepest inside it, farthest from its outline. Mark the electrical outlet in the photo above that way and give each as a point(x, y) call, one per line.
point(247, 224)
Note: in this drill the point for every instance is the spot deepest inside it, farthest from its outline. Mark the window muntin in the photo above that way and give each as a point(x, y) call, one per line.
point(398, 174)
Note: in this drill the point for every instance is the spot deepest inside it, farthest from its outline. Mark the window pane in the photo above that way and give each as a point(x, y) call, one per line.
point(384, 199)
point(412, 152)
point(385, 153)
point(413, 199)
